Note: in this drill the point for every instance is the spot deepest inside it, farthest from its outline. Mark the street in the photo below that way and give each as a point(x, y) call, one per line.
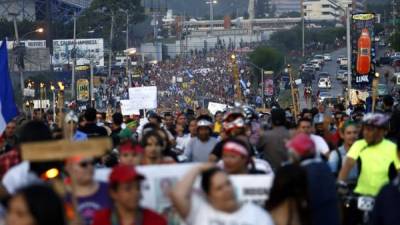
point(337, 87)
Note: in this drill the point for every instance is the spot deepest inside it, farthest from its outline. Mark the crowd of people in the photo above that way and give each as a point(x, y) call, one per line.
point(182, 82)
point(317, 159)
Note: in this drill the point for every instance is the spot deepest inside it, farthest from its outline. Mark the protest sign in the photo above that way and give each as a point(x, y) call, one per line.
point(161, 178)
point(128, 109)
point(143, 97)
point(213, 107)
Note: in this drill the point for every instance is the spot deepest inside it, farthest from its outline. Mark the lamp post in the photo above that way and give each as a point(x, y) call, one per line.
point(73, 60)
point(375, 83)
point(212, 2)
point(294, 99)
point(20, 52)
point(53, 91)
point(60, 104)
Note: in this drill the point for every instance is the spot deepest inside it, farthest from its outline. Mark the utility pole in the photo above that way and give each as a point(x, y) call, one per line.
point(211, 15)
point(294, 97)
point(348, 40)
point(263, 88)
point(91, 83)
point(111, 43)
point(302, 29)
point(73, 60)
point(127, 54)
point(19, 51)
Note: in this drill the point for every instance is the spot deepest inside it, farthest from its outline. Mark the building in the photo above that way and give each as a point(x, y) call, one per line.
point(36, 9)
point(322, 10)
point(284, 6)
point(262, 8)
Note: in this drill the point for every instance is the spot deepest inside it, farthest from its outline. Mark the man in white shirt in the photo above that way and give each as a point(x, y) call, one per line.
point(304, 125)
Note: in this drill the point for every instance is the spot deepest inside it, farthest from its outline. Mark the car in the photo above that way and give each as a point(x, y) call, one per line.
point(386, 60)
point(339, 58)
point(316, 63)
point(324, 74)
point(343, 61)
point(340, 74)
point(327, 57)
point(321, 58)
point(345, 77)
point(382, 90)
point(324, 95)
point(324, 82)
point(364, 53)
point(343, 67)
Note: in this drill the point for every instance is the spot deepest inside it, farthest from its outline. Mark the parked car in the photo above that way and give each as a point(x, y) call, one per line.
point(345, 77)
point(340, 57)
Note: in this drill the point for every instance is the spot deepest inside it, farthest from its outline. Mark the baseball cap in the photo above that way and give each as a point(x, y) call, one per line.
point(123, 174)
point(302, 144)
point(129, 147)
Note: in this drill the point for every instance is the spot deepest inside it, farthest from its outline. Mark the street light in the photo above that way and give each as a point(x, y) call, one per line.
point(212, 2)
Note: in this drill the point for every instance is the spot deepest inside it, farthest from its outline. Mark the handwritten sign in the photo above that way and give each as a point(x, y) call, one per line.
point(143, 97)
point(213, 107)
point(128, 109)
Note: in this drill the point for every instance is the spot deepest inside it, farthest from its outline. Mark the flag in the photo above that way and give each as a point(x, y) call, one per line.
point(8, 108)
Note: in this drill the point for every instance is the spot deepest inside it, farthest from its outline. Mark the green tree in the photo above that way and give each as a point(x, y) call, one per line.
point(266, 58)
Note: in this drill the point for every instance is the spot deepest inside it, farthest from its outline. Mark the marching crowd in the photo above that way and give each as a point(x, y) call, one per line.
point(181, 82)
point(318, 159)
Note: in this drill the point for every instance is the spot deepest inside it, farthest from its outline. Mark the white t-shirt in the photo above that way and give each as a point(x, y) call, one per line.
point(18, 177)
point(202, 213)
point(321, 146)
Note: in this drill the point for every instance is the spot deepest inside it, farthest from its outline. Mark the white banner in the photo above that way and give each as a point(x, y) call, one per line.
point(162, 178)
point(41, 104)
point(128, 109)
point(27, 43)
point(213, 107)
point(86, 49)
point(143, 97)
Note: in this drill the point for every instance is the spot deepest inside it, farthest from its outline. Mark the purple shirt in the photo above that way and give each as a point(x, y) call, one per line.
point(87, 206)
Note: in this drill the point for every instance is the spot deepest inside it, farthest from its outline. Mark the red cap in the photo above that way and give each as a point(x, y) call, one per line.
point(129, 147)
point(302, 144)
point(124, 173)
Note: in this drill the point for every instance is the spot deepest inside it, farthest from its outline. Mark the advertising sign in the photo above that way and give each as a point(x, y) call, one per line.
point(363, 49)
point(82, 87)
point(86, 50)
point(269, 87)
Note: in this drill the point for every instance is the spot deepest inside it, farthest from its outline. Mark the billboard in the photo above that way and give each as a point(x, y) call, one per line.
point(363, 49)
point(86, 49)
point(269, 87)
point(82, 87)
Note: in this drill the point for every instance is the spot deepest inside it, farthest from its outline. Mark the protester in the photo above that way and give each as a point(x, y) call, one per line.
point(125, 191)
point(35, 205)
point(289, 201)
point(321, 183)
point(117, 120)
point(130, 154)
point(272, 142)
point(168, 122)
point(90, 195)
point(218, 205)
point(8, 140)
point(152, 144)
point(91, 128)
point(349, 133)
point(237, 158)
point(305, 126)
point(218, 122)
point(200, 147)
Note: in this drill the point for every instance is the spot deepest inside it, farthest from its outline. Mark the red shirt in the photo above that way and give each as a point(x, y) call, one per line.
point(103, 217)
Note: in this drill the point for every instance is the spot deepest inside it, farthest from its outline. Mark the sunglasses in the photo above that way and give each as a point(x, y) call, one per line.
point(85, 164)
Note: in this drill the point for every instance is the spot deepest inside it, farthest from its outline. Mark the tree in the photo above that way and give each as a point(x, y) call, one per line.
point(267, 58)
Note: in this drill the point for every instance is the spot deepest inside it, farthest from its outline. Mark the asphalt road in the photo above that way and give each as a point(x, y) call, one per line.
point(337, 87)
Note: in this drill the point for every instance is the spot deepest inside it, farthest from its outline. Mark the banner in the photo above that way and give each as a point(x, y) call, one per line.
point(269, 87)
point(213, 107)
point(128, 109)
point(160, 179)
point(86, 50)
point(363, 49)
point(143, 97)
point(41, 104)
point(82, 88)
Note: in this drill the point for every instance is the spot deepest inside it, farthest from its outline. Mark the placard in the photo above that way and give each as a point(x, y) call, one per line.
point(213, 107)
point(269, 87)
point(143, 97)
point(128, 109)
